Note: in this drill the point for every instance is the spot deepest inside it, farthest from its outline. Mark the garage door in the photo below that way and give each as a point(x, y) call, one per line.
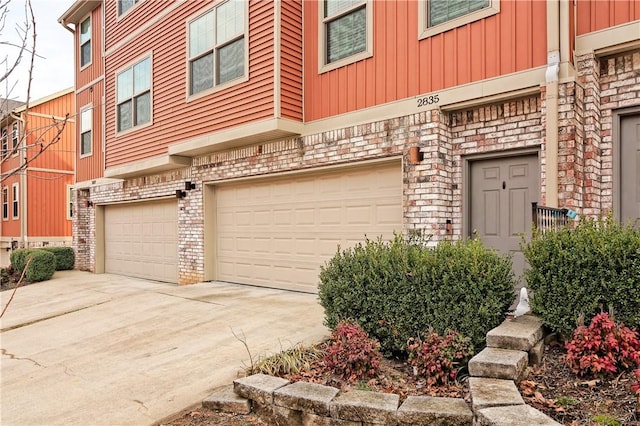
point(141, 240)
point(277, 232)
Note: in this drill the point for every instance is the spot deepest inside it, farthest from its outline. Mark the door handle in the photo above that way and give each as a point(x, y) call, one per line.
point(504, 185)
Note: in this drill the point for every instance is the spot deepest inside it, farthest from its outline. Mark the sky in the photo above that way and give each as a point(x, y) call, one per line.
point(53, 69)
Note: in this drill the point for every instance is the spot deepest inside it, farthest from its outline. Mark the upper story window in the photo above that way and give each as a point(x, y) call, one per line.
point(15, 135)
point(85, 42)
point(69, 202)
point(437, 16)
point(16, 210)
point(5, 203)
point(346, 32)
point(133, 86)
point(125, 5)
point(217, 46)
point(5, 142)
point(86, 119)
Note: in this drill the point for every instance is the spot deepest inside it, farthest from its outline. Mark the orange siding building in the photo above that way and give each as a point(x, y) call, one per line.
point(39, 173)
point(244, 140)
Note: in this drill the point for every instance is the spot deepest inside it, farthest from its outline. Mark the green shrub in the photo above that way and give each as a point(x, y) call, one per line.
point(18, 258)
point(41, 267)
point(580, 272)
point(399, 289)
point(65, 257)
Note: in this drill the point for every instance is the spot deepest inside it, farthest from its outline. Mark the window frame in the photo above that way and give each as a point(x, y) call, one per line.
point(15, 138)
point(15, 201)
point(69, 202)
point(323, 66)
point(130, 65)
point(122, 13)
point(4, 140)
point(90, 41)
point(5, 203)
point(87, 108)
point(215, 48)
point(425, 31)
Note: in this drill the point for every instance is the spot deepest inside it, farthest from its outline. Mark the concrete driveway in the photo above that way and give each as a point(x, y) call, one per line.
point(91, 349)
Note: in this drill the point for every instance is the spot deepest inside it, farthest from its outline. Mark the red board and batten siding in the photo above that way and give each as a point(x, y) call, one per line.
point(403, 66)
point(96, 68)
point(90, 167)
point(47, 204)
point(175, 119)
point(594, 15)
point(291, 60)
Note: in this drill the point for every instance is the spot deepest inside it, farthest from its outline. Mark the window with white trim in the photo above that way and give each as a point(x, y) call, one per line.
point(15, 204)
point(69, 202)
point(5, 142)
point(85, 42)
point(133, 86)
point(345, 30)
point(217, 46)
point(5, 203)
point(15, 135)
point(86, 119)
point(125, 5)
point(437, 16)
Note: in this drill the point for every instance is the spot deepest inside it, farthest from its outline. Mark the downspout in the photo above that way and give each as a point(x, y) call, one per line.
point(22, 198)
point(551, 98)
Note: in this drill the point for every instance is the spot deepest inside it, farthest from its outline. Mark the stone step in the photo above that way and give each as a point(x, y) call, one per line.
point(227, 401)
point(521, 334)
point(499, 363)
point(513, 415)
point(487, 393)
point(434, 411)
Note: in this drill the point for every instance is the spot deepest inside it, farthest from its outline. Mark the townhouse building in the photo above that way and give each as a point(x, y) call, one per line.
point(243, 141)
point(37, 169)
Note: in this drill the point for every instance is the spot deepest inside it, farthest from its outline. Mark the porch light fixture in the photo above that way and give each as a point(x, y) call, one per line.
point(88, 203)
point(180, 194)
point(415, 155)
point(188, 186)
point(448, 227)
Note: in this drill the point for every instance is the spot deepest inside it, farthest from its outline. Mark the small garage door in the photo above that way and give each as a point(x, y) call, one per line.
point(141, 240)
point(278, 232)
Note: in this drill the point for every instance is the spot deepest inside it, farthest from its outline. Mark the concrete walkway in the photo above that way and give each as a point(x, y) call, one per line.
point(91, 349)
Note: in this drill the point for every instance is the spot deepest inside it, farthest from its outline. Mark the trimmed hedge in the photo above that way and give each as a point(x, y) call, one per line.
point(583, 271)
point(399, 289)
point(41, 267)
point(18, 258)
point(65, 257)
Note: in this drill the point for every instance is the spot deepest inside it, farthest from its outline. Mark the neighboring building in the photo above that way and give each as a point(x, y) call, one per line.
point(37, 172)
point(243, 141)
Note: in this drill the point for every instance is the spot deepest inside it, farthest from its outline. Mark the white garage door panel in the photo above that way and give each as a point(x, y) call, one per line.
point(141, 240)
point(277, 232)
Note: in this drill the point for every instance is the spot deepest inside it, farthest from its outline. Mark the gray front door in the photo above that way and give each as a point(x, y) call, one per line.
point(501, 194)
point(630, 169)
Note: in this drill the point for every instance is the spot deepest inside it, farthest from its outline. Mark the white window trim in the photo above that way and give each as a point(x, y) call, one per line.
point(322, 39)
point(69, 205)
point(122, 15)
point(83, 109)
point(223, 86)
point(14, 146)
point(15, 199)
point(90, 41)
point(5, 188)
point(4, 142)
point(118, 71)
point(423, 10)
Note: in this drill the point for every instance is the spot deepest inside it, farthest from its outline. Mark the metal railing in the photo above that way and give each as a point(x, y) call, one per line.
point(548, 218)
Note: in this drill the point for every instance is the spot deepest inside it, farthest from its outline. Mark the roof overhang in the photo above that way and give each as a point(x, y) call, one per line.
point(78, 11)
point(162, 163)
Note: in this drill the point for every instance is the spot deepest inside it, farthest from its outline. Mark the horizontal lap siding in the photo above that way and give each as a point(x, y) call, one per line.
point(47, 204)
point(175, 119)
point(90, 167)
point(403, 66)
point(291, 60)
point(96, 68)
point(42, 131)
point(594, 15)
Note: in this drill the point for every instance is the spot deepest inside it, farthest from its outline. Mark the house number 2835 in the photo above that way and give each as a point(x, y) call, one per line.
point(428, 100)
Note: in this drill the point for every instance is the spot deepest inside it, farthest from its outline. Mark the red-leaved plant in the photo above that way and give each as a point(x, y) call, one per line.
point(603, 348)
point(351, 354)
point(636, 386)
point(437, 358)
